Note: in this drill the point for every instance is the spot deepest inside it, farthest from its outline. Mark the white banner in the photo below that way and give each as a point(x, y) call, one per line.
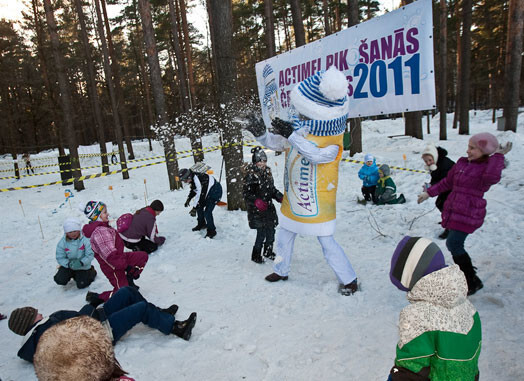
point(388, 62)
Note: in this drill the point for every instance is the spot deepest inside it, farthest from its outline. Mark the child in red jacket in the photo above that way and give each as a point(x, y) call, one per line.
point(121, 268)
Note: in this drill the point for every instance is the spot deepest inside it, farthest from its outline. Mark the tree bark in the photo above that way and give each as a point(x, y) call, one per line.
point(115, 68)
point(188, 51)
point(158, 92)
point(465, 67)
point(270, 28)
point(458, 77)
point(298, 25)
point(65, 96)
point(513, 64)
point(55, 124)
point(112, 94)
point(325, 11)
point(91, 87)
point(355, 124)
point(194, 136)
point(226, 78)
point(443, 42)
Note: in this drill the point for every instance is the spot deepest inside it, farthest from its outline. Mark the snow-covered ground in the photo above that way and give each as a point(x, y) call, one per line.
point(248, 328)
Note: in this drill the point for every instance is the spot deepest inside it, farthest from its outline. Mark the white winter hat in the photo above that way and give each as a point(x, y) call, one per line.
point(369, 157)
point(323, 96)
point(431, 150)
point(71, 224)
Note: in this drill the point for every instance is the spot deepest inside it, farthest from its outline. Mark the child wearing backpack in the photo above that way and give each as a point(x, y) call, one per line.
point(74, 255)
point(369, 175)
point(139, 231)
point(121, 268)
point(386, 188)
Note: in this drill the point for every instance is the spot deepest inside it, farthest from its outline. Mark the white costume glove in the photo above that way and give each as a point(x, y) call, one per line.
point(504, 149)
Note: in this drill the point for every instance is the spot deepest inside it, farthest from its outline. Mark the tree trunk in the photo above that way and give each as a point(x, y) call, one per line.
point(458, 99)
point(270, 28)
point(194, 136)
point(65, 96)
point(355, 124)
point(465, 67)
point(121, 105)
point(55, 124)
point(513, 64)
point(325, 11)
point(188, 50)
point(226, 78)
point(91, 87)
point(443, 42)
point(298, 25)
point(158, 93)
point(112, 95)
point(211, 57)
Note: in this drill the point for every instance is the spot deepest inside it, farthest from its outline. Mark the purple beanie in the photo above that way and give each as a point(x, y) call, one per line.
point(486, 142)
point(414, 258)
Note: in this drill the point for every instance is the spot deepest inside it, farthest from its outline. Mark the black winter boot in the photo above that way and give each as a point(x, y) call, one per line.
point(171, 310)
point(444, 234)
point(131, 281)
point(474, 282)
point(210, 233)
point(268, 251)
point(94, 299)
point(199, 226)
point(255, 255)
point(183, 328)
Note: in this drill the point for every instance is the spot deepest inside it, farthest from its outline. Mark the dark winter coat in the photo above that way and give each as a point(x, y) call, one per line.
point(204, 182)
point(444, 164)
point(258, 183)
point(31, 339)
point(143, 225)
point(465, 207)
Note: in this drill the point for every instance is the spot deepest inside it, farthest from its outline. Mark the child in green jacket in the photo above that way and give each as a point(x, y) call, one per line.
point(386, 188)
point(440, 331)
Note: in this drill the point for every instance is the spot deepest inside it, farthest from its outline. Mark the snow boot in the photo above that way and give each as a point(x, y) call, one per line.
point(171, 310)
point(94, 299)
point(255, 255)
point(474, 282)
point(131, 281)
point(199, 226)
point(444, 234)
point(268, 251)
point(183, 328)
point(210, 233)
point(274, 277)
point(348, 289)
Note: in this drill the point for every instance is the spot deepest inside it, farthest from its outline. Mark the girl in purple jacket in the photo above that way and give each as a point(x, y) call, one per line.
point(465, 207)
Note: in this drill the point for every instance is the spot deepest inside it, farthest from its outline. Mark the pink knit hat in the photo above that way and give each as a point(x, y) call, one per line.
point(486, 142)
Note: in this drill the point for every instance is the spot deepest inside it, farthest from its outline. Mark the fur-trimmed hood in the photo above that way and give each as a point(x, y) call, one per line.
point(79, 348)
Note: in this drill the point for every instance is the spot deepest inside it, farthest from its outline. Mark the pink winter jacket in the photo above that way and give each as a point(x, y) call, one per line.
point(106, 244)
point(465, 208)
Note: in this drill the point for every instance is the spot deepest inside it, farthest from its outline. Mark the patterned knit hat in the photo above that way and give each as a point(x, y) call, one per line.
point(414, 258)
point(322, 98)
point(93, 209)
point(22, 319)
point(486, 142)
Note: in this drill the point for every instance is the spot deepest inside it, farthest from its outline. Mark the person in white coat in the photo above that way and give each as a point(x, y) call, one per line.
point(313, 145)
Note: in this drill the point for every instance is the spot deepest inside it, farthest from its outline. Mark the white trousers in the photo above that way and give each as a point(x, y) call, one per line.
point(333, 253)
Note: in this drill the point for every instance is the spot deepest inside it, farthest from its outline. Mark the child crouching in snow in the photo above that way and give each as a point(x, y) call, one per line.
point(369, 175)
point(74, 255)
point(440, 331)
point(386, 188)
point(121, 268)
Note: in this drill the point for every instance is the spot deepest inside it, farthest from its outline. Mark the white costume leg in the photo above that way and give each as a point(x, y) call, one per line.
point(284, 251)
point(337, 259)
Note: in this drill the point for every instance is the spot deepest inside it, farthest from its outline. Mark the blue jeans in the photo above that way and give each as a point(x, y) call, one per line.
point(205, 212)
point(127, 307)
point(266, 235)
point(455, 242)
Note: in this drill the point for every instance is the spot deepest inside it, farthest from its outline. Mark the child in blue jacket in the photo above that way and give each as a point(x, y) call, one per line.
point(74, 255)
point(369, 175)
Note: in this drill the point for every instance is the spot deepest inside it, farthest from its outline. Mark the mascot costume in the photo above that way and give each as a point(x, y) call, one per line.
point(313, 144)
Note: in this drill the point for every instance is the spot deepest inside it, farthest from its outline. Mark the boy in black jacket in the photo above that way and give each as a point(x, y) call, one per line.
point(207, 192)
point(119, 314)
